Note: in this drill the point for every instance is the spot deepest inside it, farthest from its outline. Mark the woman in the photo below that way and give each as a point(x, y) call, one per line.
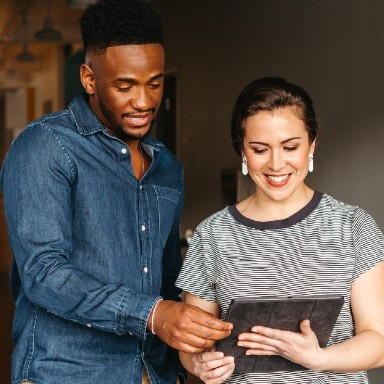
point(284, 240)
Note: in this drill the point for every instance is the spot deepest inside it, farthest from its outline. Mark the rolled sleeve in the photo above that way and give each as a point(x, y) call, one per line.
point(134, 313)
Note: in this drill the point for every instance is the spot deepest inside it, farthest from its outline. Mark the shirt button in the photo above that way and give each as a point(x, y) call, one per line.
point(124, 151)
point(145, 270)
point(143, 227)
point(141, 187)
point(89, 325)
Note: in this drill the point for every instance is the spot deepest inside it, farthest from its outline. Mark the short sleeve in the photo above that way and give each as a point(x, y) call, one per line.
point(368, 242)
point(196, 275)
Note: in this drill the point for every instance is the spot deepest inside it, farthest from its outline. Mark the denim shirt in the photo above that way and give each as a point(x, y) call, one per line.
point(93, 250)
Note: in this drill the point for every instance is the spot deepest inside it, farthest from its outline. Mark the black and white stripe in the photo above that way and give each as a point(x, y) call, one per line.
point(321, 249)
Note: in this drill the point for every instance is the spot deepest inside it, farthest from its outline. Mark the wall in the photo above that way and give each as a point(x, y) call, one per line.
point(6, 305)
point(49, 82)
point(334, 49)
point(15, 111)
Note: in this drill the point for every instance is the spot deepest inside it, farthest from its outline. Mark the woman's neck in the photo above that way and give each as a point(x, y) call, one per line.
point(259, 207)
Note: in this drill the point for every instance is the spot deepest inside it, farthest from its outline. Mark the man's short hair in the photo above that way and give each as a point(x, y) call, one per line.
point(111, 23)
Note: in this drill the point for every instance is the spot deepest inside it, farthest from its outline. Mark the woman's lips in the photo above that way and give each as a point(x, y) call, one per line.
point(277, 180)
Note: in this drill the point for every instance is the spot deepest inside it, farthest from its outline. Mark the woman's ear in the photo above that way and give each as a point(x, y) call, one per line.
point(312, 147)
point(87, 78)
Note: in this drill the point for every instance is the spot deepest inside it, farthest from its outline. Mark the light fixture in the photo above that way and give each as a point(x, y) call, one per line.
point(25, 56)
point(48, 33)
point(80, 4)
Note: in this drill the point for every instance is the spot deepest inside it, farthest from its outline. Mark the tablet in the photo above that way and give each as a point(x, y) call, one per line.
point(280, 313)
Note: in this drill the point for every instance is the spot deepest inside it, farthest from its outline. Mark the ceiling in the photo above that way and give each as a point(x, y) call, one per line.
point(19, 22)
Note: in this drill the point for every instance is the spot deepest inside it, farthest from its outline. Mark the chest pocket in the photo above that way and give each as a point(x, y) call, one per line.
point(167, 200)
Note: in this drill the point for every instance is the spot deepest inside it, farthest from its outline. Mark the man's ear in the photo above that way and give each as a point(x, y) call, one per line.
point(87, 79)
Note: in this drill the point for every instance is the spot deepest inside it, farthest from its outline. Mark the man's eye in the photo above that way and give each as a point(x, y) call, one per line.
point(123, 89)
point(154, 85)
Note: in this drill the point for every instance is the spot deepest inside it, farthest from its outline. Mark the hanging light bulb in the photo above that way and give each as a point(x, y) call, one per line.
point(48, 33)
point(80, 4)
point(25, 56)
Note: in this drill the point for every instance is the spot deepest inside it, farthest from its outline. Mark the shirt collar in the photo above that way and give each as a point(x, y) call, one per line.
point(87, 122)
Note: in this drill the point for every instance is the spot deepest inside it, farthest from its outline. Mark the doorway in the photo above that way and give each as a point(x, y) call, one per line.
point(165, 127)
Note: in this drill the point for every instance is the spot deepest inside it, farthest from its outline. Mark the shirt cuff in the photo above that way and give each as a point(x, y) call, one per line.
point(133, 314)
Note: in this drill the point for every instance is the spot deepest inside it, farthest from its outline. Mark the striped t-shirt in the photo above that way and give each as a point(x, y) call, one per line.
point(319, 250)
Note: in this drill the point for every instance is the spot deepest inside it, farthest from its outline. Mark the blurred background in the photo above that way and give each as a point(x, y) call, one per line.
point(333, 48)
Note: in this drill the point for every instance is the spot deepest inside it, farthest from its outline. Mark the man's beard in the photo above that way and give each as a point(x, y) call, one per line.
point(118, 129)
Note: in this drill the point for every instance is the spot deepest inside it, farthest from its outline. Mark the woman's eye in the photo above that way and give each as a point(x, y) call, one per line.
point(259, 151)
point(289, 149)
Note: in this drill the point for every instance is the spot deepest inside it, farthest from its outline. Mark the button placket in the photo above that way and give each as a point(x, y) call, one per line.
point(145, 237)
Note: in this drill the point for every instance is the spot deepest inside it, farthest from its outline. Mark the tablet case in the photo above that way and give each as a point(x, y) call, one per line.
point(279, 313)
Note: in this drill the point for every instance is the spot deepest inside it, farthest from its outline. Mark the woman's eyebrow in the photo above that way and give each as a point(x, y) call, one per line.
point(283, 142)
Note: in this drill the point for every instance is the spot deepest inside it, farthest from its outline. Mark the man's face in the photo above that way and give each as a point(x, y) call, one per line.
point(125, 87)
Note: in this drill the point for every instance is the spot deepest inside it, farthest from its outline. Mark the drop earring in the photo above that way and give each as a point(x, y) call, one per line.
point(310, 165)
point(244, 167)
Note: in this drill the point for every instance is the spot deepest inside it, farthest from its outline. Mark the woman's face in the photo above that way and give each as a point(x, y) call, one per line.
point(277, 149)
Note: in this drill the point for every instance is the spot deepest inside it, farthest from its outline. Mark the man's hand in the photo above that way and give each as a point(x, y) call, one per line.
point(187, 328)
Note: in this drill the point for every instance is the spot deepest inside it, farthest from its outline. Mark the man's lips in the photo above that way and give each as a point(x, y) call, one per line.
point(138, 120)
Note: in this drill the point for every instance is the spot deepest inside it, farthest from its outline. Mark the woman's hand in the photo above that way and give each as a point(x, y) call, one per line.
point(212, 367)
point(301, 348)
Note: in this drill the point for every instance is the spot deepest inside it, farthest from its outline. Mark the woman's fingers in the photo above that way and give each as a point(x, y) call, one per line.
point(213, 367)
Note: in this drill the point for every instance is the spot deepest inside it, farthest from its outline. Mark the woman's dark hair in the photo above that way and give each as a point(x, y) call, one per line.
point(109, 23)
point(268, 94)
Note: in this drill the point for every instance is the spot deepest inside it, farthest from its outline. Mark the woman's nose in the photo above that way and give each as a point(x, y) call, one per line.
point(276, 162)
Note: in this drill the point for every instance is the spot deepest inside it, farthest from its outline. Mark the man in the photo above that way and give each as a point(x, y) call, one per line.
point(93, 204)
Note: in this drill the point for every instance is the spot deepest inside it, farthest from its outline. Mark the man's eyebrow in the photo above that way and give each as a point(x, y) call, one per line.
point(134, 81)
point(159, 76)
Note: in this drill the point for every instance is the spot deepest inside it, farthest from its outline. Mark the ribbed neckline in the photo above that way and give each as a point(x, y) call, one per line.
point(278, 224)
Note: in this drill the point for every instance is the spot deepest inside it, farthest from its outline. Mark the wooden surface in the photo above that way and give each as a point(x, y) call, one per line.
point(6, 303)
